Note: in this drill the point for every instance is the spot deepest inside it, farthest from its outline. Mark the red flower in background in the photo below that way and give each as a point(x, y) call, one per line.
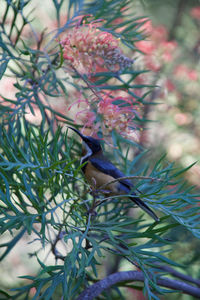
point(157, 49)
point(170, 85)
point(168, 49)
point(195, 12)
point(184, 72)
point(147, 47)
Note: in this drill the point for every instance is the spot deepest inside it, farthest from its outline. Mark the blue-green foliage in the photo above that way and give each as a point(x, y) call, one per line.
point(41, 185)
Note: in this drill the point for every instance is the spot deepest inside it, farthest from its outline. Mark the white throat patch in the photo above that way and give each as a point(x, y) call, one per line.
point(88, 152)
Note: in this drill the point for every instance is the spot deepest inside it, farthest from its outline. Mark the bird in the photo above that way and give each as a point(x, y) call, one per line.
point(99, 172)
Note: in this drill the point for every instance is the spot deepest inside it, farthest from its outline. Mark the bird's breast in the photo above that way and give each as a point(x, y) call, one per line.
point(97, 179)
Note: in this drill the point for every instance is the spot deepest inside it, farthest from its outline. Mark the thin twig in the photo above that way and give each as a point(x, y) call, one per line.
point(55, 252)
point(87, 83)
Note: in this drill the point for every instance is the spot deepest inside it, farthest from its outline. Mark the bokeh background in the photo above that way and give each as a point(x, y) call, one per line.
point(171, 52)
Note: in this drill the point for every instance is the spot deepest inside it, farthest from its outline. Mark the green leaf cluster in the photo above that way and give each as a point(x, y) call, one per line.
point(43, 196)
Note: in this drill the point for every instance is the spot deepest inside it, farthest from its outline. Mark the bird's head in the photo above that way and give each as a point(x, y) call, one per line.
point(90, 143)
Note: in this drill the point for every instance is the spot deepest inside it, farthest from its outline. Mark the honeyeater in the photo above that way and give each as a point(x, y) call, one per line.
point(99, 171)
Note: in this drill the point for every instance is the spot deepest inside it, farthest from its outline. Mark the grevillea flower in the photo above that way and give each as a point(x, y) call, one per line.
point(113, 116)
point(117, 113)
point(85, 47)
point(108, 113)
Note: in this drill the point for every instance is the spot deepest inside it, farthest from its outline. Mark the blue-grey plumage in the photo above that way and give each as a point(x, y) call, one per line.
point(123, 186)
point(99, 171)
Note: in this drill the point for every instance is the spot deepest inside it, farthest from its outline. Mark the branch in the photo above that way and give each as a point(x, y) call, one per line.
point(165, 268)
point(53, 246)
point(87, 83)
point(97, 288)
point(181, 7)
point(179, 274)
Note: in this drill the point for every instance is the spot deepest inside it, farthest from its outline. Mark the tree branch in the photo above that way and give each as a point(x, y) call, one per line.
point(179, 275)
point(97, 288)
point(177, 18)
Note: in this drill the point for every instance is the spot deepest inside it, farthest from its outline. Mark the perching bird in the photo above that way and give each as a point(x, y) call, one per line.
point(99, 171)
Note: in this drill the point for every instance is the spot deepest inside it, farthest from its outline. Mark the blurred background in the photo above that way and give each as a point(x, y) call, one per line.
point(171, 52)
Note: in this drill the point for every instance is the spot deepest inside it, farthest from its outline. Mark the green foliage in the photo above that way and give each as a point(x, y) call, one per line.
point(42, 193)
point(40, 186)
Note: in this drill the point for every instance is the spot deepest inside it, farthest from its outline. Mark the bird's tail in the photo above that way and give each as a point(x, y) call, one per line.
point(143, 206)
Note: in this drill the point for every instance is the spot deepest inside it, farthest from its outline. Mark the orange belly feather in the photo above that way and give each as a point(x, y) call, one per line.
point(97, 179)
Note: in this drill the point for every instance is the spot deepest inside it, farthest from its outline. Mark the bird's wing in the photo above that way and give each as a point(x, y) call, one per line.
point(108, 168)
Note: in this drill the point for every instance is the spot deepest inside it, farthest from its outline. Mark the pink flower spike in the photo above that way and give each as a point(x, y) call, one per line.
point(86, 47)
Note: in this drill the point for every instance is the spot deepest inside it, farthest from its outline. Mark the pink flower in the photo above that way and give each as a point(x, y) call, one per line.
point(147, 47)
point(159, 34)
point(168, 50)
point(152, 63)
point(182, 118)
point(86, 47)
point(146, 26)
point(118, 116)
point(183, 71)
point(86, 116)
point(108, 113)
point(157, 49)
point(195, 12)
point(169, 85)
point(192, 75)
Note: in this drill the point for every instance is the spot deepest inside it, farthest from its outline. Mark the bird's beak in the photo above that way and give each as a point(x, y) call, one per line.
point(84, 139)
point(78, 132)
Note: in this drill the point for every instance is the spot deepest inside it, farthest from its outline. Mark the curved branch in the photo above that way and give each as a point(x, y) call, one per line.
point(98, 287)
point(179, 275)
